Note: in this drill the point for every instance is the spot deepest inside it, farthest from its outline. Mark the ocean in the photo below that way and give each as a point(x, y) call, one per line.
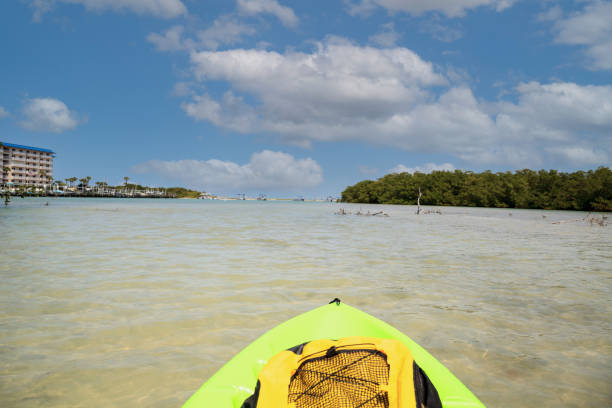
point(136, 302)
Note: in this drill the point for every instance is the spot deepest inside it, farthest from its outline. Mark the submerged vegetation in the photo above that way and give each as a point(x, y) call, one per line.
point(552, 190)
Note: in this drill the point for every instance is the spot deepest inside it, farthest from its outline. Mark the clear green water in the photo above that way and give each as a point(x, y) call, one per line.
point(136, 302)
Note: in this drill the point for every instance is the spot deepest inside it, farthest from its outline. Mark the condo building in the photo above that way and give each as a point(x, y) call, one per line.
point(25, 165)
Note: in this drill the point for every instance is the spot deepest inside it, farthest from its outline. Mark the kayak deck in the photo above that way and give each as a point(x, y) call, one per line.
point(235, 381)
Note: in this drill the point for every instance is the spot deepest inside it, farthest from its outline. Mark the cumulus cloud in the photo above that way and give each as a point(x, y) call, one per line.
point(426, 168)
point(182, 89)
point(253, 7)
point(41, 7)
point(392, 97)
point(591, 28)
point(338, 92)
point(552, 14)
point(441, 32)
point(565, 120)
point(48, 115)
point(451, 8)
point(580, 156)
point(387, 37)
point(561, 109)
point(266, 170)
point(157, 8)
point(319, 96)
point(171, 40)
point(225, 30)
point(231, 112)
point(3, 112)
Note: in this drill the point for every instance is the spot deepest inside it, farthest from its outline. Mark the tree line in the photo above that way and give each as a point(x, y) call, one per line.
point(551, 190)
point(83, 188)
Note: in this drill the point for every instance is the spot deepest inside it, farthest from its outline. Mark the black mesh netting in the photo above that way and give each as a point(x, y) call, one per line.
point(341, 379)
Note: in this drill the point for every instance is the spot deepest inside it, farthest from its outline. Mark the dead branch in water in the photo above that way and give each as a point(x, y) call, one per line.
point(381, 213)
point(602, 221)
point(419, 211)
point(369, 214)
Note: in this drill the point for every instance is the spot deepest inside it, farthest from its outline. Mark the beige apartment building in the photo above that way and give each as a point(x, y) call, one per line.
point(25, 165)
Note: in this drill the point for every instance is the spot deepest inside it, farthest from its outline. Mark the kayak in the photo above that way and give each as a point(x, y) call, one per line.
point(236, 380)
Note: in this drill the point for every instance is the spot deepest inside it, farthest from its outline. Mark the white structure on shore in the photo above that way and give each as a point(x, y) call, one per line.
point(25, 165)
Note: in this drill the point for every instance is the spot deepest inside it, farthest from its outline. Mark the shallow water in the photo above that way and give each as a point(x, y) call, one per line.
point(109, 302)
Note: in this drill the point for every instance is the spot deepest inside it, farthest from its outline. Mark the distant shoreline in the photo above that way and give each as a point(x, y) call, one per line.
point(73, 195)
point(528, 189)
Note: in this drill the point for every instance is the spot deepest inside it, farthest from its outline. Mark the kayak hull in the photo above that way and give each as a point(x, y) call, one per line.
point(235, 381)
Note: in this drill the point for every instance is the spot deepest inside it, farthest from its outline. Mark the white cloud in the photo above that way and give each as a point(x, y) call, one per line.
point(565, 120)
point(440, 31)
point(451, 8)
point(231, 113)
point(318, 96)
point(564, 107)
point(361, 70)
point(591, 28)
point(225, 30)
point(455, 122)
point(171, 40)
point(392, 97)
point(3, 112)
point(267, 170)
point(387, 37)
point(426, 168)
point(48, 115)
point(157, 8)
point(182, 89)
point(580, 156)
point(283, 13)
point(41, 7)
point(552, 14)
point(338, 78)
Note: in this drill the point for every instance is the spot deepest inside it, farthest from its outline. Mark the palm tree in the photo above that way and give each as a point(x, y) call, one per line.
point(6, 169)
point(126, 178)
point(43, 175)
point(7, 193)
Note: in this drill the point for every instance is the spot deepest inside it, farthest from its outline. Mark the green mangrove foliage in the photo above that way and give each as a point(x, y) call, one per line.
point(181, 192)
point(178, 192)
point(551, 190)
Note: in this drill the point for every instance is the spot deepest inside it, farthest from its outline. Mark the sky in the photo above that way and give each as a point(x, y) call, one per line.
point(303, 98)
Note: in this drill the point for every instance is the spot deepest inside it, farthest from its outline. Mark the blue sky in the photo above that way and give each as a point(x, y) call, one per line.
point(305, 97)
